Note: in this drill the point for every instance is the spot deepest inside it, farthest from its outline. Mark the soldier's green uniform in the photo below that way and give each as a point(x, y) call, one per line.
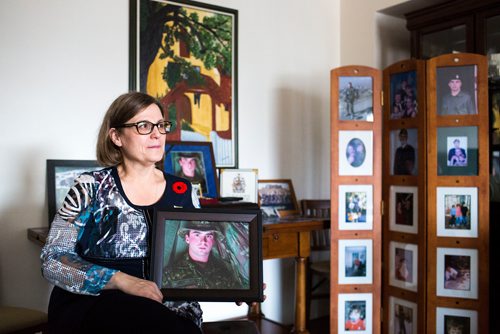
point(461, 104)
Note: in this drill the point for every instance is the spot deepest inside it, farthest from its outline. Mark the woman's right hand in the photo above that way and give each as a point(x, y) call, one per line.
point(135, 286)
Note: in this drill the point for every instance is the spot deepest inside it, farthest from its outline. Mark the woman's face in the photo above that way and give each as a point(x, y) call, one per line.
point(137, 148)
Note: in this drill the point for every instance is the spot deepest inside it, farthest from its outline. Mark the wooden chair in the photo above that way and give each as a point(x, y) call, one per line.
point(320, 241)
point(20, 320)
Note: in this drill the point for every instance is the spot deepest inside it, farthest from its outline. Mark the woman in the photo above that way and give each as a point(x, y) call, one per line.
point(97, 250)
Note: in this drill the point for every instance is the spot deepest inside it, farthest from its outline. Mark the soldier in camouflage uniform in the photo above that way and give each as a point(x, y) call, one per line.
point(199, 268)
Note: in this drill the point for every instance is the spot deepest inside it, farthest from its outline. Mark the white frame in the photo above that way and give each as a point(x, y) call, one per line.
point(342, 298)
point(440, 267)
point(392, 210)
point(413, 285)
point(368, 278)
point(442, 231)
point(442, 311)
point(414, 308)
point(368, 225)
point(366, 168)
point(251, 177)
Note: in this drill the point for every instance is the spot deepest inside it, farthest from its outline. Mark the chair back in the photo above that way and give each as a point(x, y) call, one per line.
point(317, 208)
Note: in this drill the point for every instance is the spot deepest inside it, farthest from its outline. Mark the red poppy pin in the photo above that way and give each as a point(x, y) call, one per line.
point(179, 187)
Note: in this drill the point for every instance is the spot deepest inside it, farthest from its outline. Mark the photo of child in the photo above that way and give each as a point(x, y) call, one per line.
point(355, 313)
point(404, 265)
point(457, 272)
point(457, 212)
point(356, 206)
point(355, 261)
point(456, 324)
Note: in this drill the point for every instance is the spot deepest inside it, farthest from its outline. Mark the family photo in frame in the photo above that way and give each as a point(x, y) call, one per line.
point(355, 261)
point(454, 320)
point(403, 209)
point(356, 98)
point(404, 95)
point(355, 312)
point(355, 152)
point(457, 212)
point(403, 265)
point(277, 197)
point(456, 90)
point(457, 150)
point(355, 207)
point(402, 316)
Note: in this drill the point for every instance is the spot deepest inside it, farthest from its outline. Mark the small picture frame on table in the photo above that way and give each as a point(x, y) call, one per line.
point(355, 313)
point(60, 178)
point(355, 207)
point(403, 209)
point(355, 261)
point(457, 150)
point(457, 212)
point(355, 152)
point(277, 198)
point(403, 265)
point(454, 320)
point(402, 316)
point(193, 161)
point(239, 183)
point(356, 98)
point(226, 261)
point(457, 272)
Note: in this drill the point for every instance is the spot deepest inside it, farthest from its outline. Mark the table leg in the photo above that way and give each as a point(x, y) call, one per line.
point(300, 295)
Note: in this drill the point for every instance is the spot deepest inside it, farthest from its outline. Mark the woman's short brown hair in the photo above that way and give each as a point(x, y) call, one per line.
point(120, 111)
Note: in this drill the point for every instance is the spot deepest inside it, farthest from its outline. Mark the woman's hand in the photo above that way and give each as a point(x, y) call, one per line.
point(254, 303)
point(135, 286)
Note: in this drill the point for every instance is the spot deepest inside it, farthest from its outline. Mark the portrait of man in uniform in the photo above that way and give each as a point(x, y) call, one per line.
point(456, 90)
point(189, 165)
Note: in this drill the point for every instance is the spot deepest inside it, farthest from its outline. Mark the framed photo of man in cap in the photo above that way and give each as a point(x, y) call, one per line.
point(208, 254)
point(456, 90)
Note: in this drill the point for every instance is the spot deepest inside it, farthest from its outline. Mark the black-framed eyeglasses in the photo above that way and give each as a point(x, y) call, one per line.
point(146, 127)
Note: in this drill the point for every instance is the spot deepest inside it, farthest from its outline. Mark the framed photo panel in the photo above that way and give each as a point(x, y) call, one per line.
point(454, 320)
point(456, 212)
point(185, 53)
point(404, 152)
point(355, 152)
point(355, 312)
point(404, 95)
point(208, 254)
point(402, 316)
point(457, 272)
point(403, 209)
point(195, 162)
point(403, 265)
point(356, 98)
point(355, 207)
point(355, 261)
point(495, 115)
point(457, 150)
point(60, 177)
point(277, 196)
point(239, 183)
point(456, 90)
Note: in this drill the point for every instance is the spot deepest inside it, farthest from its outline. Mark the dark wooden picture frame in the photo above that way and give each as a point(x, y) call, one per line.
point(185, 53)
point(277, 197)
point(231, 269)
point(60, 177)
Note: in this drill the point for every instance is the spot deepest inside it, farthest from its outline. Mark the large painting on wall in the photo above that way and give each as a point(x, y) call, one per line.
point(185, 54)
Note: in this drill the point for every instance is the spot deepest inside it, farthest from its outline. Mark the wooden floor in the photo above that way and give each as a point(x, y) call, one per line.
point(316, 326)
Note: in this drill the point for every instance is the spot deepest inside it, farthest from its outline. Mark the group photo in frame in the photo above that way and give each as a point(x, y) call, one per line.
point(61, 175)
point(277, 198)
point(456, 90)
point(403, 209)
point(404, 151)
point(403, 265)
point(457, 150)
point(457, 212)
point(355, 152)
point(239, 183)
point(404, 95)
point(355, 313)
point(208, 254)
point(355, 207)
point(194, 74)
point(454, 320)
point(356, 98)
point(457, 272)
point(355, 261)
point(402, 316)
point(193, 161)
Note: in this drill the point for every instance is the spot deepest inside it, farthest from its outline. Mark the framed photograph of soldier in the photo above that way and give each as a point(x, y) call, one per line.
point(355, 152)
point(208, 254)
point(457, 272)
point(404, 152)
point(61, 175)
point(455, 320)
point(403, 209)
point(355, 313)
point(402, 316)
point(404, 95)
point(277, 197)
point(355, 207)
point(457, 150)
point(355, 261)
point(456, 90)
point(403, 265)
point(356, 98)
point(240, 183)
point(195, 162)
point(457, 212)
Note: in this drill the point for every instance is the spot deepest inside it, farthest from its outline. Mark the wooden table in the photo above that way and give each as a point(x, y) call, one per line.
point(288, 237)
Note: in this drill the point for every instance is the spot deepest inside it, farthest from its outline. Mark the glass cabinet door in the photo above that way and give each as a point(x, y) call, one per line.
point(444, 41)
point(493, 45)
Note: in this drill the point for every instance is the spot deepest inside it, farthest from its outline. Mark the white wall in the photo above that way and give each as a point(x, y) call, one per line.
point(62, 62)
